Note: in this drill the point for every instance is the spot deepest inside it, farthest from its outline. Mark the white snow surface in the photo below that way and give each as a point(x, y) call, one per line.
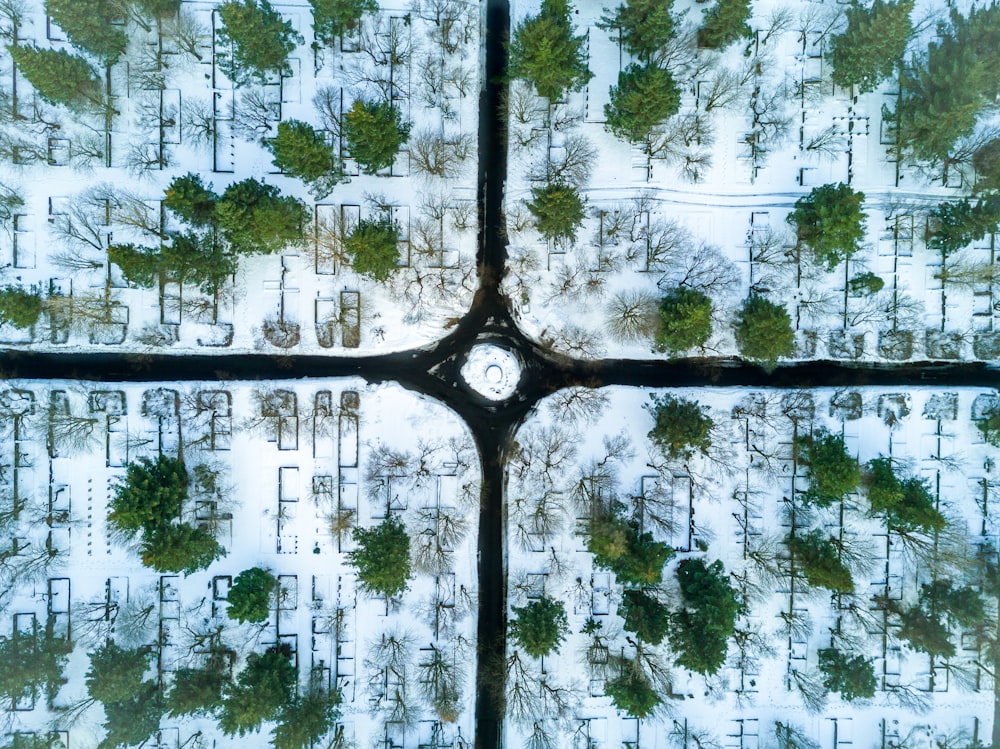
point(492, 371)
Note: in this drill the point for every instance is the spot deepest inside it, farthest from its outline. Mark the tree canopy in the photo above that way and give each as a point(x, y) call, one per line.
point(251, 594)
point(306, 719)
point(116, 673)
point(872, 45)
point(644, 97)
point(685, 320)
point(645, 615)
point(373, 247)
point(816, 556)
point(179, 547)
point(382, 557)
point(152, 494)
point(193, 202)
point(852, 676)
point(764, 331)
point(302, 152)
point(331, 18)
point(259, 41)
point(30, 664)
point(19, 307)
point(264, 686)
point(635, 557)
point(256, 218)
point(90, 26)
point(558, 210)
point(184, 258)
point(907, 501)
point(632, 692)
point(544, 52)
point(832, 471)
point(724, 23)
point(681, 427)
point(829, 222)
point(957, 224)
point(701, 629)
point(374, 131)
point(540, 626)
point(56, 75)
point(643, 26)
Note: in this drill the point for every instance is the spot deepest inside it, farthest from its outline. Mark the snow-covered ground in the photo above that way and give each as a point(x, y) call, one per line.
point(733, 505)
point(178, 113)
point(712, 209)
point(295, 464)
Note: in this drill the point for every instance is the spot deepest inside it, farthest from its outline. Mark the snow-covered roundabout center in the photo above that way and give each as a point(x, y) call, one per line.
point(492, 371)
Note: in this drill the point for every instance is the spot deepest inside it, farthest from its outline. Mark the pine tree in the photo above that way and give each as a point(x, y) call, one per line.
point(306, 719)
point(302, 152)
point(989, 425)
point(382, 557)
point(644, 97)
point(57, 76)
point(830, 223)
point(815, 555)
point(852, 676)
point(256, 218)
point(685, 320)
point(832, 471)
point(636, 558)
point(374, 131)
point(116, 673)
point(925, 632)
point(961, 606)
point(188, 198)
point(19, 307)
point(188, 257)
point(89, 25)
point(872, 45)
point(724, 23)
point(152, 494)
point(764, 331)
point(986, 161)
point(131, 721)
point(539, 627)
point(264, 686)
point(645, 615)
point(865, 284)
point(196, 691)
point(958, 224)
point(643, 26)
point(373, 247)
point(632, 692)
point(907, 501)
point(558, 211)
point(160, 8)
point(701, 629)
point(251, 594)
point(31, 664)
point(682, 427)
point(179, 547)
point(260, 41)
point(331, 18)
point(544, 52)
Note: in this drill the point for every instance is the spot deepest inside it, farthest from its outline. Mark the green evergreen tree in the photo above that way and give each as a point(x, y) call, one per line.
point(196, 691)
point(645, 615)
point(986, 161)
point(57, 76)
point(644, 97)
point(989, 425)
point(32, 664)
point(830, 223)
point(539, 627)
point(816, 556)
point(374, 131)
point(872, 45)
point(682, 427)
point(832, 471)
point(257, 219)
point(259, 41)
point(188, 257)
point(636, 558)
point(331, 18)
point(264, 686)
point(632, 692)
point(961, 606)
point(116, 673)
point(90, 26)
point(544, 52)
point(179, 547)
point(19, 307)
point(306, 719)
point(152, 494)
point(943, 92)
point(865, 284)
point(558, 211)
point(701, 629)
point(382, 557)
point(852, 676)
point(764, 331)
point(925, 632)
point(958, 224)
point(373, 247)
point(643, 26)
point(250, 595)
point(685, 320)
point(188, 198)
point(160, 8)
point(131, 721)
point(907, 501)
point(302, 152)
point(724, 23)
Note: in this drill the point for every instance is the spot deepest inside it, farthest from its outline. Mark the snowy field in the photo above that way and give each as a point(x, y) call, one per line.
point(295, 467)
point(85, 185)
point(760, 124)
point(735, 504)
